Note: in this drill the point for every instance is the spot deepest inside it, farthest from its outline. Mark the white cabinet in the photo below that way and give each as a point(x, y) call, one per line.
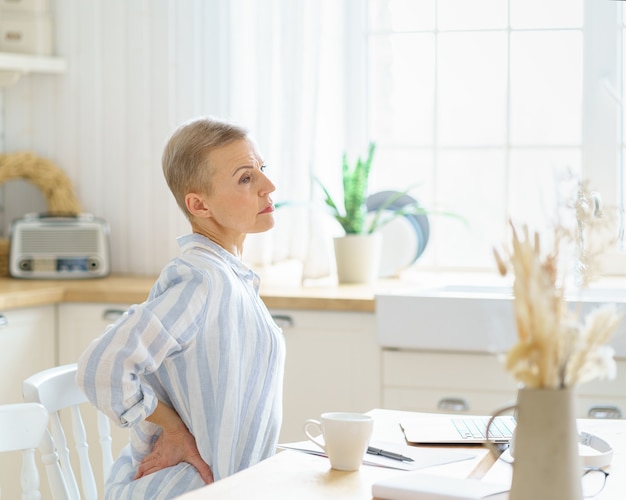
point(332, 364)
point(477, 383)
point(27, 345)
point(78, 325)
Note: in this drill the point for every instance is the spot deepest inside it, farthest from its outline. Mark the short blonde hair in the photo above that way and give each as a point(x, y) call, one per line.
point(185, 158)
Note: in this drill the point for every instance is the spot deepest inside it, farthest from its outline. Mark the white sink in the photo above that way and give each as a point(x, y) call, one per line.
point(469, 318)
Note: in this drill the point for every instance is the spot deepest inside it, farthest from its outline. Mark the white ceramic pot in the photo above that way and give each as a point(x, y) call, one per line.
point(358, 257)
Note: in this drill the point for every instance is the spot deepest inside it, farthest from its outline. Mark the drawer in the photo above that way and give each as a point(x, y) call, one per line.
point(26, 34)
point(478, 384)
point(446, 401)
point(600, 407)
point(25, 6)
point(486, 402)
point(614, 387)
point(417, 369)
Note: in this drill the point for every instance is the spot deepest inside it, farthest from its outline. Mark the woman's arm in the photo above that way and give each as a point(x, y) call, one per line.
point(175, 445)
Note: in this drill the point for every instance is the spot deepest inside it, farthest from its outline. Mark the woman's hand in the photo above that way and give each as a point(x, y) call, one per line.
point(175, 445)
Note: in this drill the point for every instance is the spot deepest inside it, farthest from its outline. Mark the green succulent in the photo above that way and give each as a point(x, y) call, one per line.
point(352, 214)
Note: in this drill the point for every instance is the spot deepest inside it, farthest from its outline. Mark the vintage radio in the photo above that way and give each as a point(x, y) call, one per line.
point(58, 247)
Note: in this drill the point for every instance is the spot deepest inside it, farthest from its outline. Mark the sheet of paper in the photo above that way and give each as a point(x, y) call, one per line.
point(422, 486)
point(422, 457)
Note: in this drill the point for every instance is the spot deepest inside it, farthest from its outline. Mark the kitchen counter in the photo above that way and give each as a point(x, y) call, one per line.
point(123, 289)
point(320, 295)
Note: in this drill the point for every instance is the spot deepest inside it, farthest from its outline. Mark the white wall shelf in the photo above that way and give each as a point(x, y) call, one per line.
point(13, 66)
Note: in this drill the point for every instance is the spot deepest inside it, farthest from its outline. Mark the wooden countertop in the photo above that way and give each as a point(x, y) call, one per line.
point(122, 289)
point(322, 295)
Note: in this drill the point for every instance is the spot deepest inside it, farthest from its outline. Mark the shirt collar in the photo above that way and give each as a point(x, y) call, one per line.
point(195, 240)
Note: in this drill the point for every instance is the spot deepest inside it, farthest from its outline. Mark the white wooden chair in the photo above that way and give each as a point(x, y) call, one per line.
point(22, 427)
point(56, 390)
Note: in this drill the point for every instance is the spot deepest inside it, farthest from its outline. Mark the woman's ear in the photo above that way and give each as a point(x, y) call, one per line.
point(196, 205)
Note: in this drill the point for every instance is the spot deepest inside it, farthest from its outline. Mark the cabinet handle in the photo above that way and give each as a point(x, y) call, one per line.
point(608, 411)
point(283, 320)
point(112, 314)
point(453, 404)
point(3, 321)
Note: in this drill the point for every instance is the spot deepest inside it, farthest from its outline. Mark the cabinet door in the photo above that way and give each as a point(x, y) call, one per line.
point(27, 345)
point(332, 364)
point(79, 324)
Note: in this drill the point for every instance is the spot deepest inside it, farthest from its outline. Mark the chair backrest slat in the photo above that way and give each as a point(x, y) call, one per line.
point(106, 443)
point(50, 460)
point(29, 477)
point(57, 435)
point(86, 472)
point(22, 427)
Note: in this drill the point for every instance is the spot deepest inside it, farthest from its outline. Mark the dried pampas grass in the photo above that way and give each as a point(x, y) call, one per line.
point(555, 349)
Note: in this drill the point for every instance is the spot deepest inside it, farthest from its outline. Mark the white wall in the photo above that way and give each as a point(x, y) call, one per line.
point(133, 76)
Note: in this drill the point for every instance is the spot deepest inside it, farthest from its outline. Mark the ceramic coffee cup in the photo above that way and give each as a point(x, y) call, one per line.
point(346, 437)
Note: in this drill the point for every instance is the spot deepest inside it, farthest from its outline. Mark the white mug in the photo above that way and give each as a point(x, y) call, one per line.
point(346, 437)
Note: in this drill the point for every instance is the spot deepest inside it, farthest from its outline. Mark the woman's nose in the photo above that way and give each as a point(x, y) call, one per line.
point(268, 186)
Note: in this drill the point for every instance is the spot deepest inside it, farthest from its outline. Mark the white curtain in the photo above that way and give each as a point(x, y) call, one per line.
point(286, 76)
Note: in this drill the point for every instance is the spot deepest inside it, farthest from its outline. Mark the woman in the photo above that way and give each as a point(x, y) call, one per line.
point(196, 370)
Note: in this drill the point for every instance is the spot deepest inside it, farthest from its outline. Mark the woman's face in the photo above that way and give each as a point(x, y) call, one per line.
point(239, 202)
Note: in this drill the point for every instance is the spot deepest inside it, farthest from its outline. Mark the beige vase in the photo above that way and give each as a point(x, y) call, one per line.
point(358, 257)
point(546, 464)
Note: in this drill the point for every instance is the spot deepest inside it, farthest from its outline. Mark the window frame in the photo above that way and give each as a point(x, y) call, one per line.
point(602, 141)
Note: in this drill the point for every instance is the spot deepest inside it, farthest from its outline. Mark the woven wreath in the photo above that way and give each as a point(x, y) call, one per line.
point(46, 176)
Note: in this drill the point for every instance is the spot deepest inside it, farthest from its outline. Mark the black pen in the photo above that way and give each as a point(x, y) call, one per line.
point(389, 454)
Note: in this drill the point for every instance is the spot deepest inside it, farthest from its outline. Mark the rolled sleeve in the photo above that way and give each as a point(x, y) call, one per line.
point(112, 370)
point(139, 411)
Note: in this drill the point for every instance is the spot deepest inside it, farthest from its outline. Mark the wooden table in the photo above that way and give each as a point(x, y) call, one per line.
point(294, 475)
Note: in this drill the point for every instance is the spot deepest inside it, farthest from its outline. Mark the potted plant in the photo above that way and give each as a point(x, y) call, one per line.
point(358, 252)
point(352, 212)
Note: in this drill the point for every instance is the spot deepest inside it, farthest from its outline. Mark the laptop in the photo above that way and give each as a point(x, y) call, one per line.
point(457, 429)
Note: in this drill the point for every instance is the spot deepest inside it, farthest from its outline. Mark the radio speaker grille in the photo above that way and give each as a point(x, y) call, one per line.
point(60, 240)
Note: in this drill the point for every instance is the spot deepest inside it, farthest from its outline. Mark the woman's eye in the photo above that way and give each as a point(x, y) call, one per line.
point(262, 168)
point(245, 179)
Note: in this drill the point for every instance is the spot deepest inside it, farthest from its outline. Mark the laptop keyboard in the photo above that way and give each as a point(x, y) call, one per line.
point(475, 427)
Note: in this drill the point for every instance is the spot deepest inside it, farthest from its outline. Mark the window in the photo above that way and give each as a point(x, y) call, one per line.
point(494, 107)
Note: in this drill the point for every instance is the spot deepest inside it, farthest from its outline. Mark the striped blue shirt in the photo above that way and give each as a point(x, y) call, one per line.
point(205, 344)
